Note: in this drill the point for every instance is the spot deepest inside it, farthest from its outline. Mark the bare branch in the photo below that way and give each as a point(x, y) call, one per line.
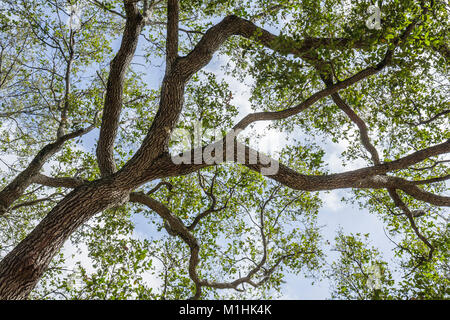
point(431, 180)
point(234, 25)
point(33, 202)
point(359, 178)
point(178, 228)
point(159, 185)
point(433, 118)
point(278, 115)
point(102, 6)
point(400, 204)
point(430, 167)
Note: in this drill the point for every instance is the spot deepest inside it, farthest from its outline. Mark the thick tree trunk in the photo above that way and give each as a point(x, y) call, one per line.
point(22, 268)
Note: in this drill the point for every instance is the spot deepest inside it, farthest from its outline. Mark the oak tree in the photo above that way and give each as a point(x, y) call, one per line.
point(93, 93)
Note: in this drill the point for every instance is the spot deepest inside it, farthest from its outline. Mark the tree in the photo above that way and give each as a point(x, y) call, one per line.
point(234, 217)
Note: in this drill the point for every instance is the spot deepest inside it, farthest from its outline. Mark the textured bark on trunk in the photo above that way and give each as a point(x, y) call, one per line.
point(22, 268)
point(114, 91)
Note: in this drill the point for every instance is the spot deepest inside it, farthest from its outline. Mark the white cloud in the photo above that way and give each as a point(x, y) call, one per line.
point(332, 200)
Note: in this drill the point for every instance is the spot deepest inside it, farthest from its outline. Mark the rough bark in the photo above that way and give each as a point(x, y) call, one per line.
point(22, 268)
point(114, 90)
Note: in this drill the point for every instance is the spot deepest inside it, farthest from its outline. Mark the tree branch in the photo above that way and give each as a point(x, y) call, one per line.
point(102, 6)
point(239, 153)
point(114, 91)
point(400, 204)
point(178, 228)
point(16, 187)
point(57, 182)
point(172, 33)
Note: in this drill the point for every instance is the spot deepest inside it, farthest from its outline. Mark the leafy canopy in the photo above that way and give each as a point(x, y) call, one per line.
point(251, 230)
